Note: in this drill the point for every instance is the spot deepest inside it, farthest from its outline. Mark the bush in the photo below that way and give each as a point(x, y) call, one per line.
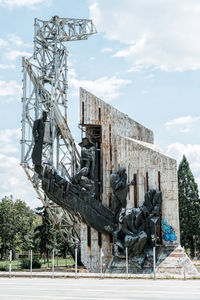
point(3, 268)
point(36, 263)
point(25, 263)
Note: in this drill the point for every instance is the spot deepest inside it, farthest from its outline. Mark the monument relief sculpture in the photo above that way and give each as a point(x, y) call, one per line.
point(112, 139)
point(38, 135)
point(138, 230)
point(77, 196)
point(120, 190)
point(88, 155)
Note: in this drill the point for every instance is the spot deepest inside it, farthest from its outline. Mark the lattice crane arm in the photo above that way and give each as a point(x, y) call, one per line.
point(64, 29)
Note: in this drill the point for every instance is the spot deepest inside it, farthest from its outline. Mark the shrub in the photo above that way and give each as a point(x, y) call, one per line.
point(25, 263)
point(36, 263)
point(3, 268)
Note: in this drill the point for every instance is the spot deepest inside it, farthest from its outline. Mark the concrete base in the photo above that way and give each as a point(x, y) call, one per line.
point(171, 260)
point(118, 266)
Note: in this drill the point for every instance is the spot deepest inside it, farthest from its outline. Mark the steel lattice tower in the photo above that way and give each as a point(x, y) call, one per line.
point(45, 88)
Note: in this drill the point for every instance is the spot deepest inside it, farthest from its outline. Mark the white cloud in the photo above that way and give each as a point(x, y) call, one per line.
point(145, 92)
point(137, 47)
point(107, 88)
point(182, 121)
point(28, 3)
point(10, 88)
point(13, 40)
point(17, 41)
point(12, 55)
point(14, 182)
point(156, 33)
point(185, 130)
point(12, 177)
point(136, 68)
point(3, 43)
point(11, 66)
point(106, 50)
point(13, 47)
point(183, 124)
point(150, 76)
point(9, 140)
point(192, 153)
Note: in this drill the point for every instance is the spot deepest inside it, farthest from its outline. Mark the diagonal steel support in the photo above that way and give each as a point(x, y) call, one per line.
point(45, 88)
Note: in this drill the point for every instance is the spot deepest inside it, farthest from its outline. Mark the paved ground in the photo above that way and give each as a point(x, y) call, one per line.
point(97, 289)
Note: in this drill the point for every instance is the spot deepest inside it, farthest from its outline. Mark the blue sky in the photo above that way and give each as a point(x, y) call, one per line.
point(145, 61)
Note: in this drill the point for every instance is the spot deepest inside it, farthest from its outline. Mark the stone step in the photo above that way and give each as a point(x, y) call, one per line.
point(176, 262)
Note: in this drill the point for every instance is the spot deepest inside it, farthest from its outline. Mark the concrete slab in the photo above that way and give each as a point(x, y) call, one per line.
point(96, 289)
point(96, 275)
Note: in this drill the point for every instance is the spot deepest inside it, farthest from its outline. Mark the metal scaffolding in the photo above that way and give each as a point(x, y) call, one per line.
point(45, 89)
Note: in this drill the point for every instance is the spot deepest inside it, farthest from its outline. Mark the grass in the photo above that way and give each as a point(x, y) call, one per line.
point(4, 265)
point(58, 262)
point(61, 262)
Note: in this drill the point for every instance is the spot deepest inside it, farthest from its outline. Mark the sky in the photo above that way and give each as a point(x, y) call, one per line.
point(144, 60)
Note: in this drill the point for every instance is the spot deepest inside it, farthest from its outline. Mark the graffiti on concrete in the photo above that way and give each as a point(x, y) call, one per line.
point(168, 232)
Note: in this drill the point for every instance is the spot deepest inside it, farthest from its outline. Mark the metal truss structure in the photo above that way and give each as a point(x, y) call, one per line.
point(45, 89)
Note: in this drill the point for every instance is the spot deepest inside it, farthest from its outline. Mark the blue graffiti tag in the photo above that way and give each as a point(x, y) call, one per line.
point(168, 232)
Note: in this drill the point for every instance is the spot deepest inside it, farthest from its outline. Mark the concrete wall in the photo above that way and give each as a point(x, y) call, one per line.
point(90, 255)
point(145, 160)
point(126, 143)
point(96, 112)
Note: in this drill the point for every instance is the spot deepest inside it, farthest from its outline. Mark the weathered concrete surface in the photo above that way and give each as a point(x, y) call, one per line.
point(143, 158)
point(125, 142)
point(94, 111)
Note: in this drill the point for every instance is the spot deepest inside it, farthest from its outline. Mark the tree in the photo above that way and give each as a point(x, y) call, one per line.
point(17, 223)
point(189, 208)
point(7, 225)
point(45, 233)
point(25, 219)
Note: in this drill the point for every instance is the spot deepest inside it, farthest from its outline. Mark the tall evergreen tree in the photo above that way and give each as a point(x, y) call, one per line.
point(189, 208)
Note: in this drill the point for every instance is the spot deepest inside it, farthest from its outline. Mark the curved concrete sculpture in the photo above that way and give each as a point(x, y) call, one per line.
point(78, 200)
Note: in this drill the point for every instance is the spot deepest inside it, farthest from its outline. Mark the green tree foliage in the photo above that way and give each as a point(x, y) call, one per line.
point(45, 233)
point(7, 227)
point(62, 246)
point(25, 263)
point(25, 220)
point(23, 229)
point(16, 226)
point(189, 208)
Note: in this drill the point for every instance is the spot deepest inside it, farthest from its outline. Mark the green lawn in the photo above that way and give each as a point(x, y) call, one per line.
point(60, 262)
point(63, 262)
